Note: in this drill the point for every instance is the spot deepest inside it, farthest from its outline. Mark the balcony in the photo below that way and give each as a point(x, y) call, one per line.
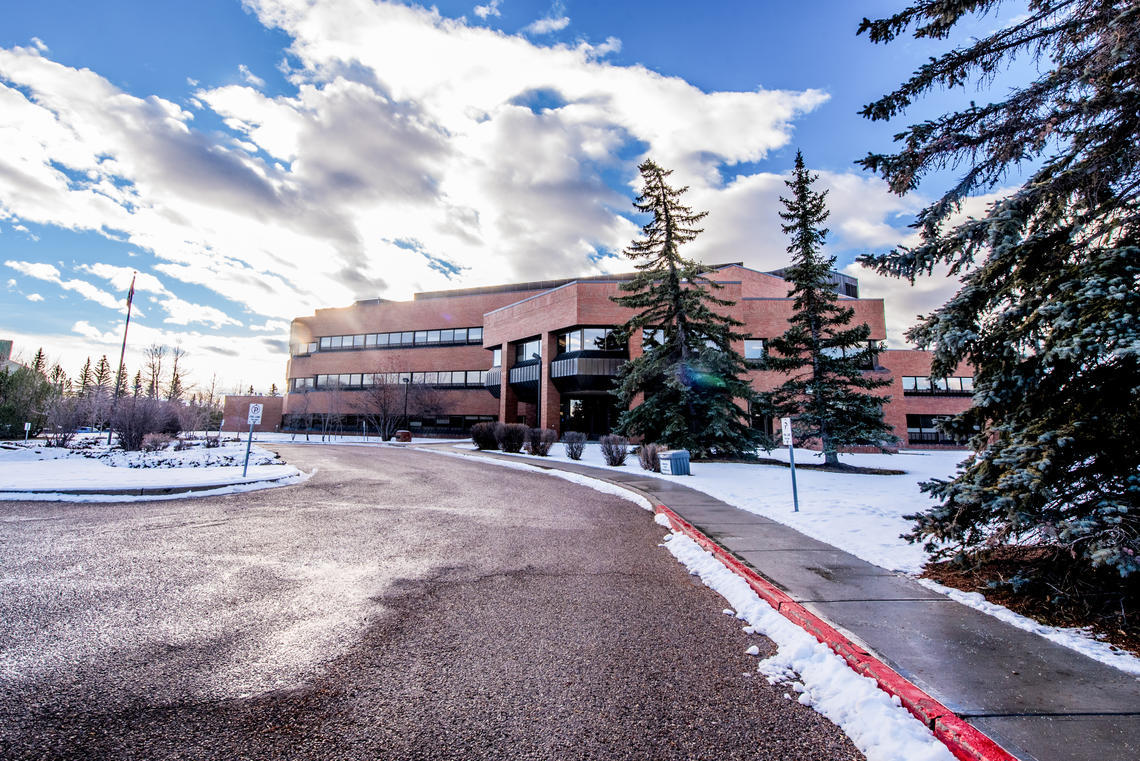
point(585, 374)
point(493, 381)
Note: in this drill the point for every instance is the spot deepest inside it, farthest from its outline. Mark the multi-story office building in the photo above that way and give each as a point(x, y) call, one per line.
point(545, 353)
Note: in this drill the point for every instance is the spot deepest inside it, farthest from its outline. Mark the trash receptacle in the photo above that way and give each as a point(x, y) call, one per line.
point(674, 462)
point(403, 436)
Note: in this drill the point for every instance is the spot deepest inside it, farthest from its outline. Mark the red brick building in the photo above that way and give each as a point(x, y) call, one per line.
point(543, 353)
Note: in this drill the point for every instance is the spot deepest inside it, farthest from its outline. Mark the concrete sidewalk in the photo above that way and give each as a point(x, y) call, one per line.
point(1039, 700)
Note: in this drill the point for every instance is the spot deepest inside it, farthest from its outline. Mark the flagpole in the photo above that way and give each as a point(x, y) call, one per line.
point(122, 356)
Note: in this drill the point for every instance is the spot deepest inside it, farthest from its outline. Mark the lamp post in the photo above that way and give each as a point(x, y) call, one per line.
point(538, 399)
point(407, 385)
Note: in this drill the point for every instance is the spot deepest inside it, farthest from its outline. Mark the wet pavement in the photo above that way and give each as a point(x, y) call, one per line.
point(399, 605)
point(1039, 700)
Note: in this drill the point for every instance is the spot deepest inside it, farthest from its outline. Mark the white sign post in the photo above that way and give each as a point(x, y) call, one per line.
point(253, 419)
point(27, 427)
point(786, 430)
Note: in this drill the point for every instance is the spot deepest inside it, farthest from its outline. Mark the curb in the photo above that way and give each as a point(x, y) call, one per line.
point(965, 741)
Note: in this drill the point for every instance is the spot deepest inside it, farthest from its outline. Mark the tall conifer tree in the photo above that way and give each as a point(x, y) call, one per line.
point(102, 374)
point(1049, 308)
point(85, 379)
point(828, 394)
point(689, 375)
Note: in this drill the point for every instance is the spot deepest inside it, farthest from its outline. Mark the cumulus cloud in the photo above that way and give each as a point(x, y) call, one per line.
point(39, 45)
point(35, 297)
point(499, 169)
point(490, 9)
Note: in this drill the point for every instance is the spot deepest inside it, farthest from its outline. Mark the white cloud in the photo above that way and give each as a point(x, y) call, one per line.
point(905, 303)
point(184, 313)
point(547, 25)
point(490, 9)
point(179, 311)
point(412, 148)
point(120, 277)
point(611, 45)
point(50, 274)
point(39, 44)
point(35, 297)
point(249, 77)
point(271, 326)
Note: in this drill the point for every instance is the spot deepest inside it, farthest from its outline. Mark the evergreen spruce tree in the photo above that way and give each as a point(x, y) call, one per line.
point(138, 383)
point(39, 362)
point(828, 392)
point(690, 375)
point(85, 379)
point(101, 378)
point(1049, 308)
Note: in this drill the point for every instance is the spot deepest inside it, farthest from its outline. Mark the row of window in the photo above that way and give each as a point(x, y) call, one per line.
point(589, 339)
point(401, 339)
point(360, 380)
point(917, 384)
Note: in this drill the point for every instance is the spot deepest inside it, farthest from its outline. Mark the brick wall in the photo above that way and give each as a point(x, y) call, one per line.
point(235, 411)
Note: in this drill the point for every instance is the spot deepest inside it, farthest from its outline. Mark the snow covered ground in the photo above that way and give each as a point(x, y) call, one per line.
point(95, 466)
point(859, 513)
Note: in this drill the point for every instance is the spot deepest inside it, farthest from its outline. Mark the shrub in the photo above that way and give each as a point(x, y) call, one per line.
point(136, 417)
point(64, 415)
point(483, 434)
point(153, 442)
point(511, 436)
point(614, 449)
point(540, 440)
point(647, 455)
point(575, 444)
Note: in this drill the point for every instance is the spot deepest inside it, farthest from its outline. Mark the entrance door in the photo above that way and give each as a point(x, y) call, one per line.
point(594, 415)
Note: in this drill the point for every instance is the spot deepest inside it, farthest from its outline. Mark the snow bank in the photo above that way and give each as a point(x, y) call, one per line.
point(96, 466)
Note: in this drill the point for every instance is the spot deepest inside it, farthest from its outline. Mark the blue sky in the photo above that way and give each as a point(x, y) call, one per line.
point(255, 162)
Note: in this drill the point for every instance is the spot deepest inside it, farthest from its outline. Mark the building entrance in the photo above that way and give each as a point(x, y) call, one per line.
point(594, 415)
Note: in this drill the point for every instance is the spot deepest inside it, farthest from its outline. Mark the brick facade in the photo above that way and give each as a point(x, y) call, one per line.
point(556, 392)
point(235, 412)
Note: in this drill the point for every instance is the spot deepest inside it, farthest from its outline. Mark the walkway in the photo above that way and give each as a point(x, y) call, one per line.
point(1039, 700)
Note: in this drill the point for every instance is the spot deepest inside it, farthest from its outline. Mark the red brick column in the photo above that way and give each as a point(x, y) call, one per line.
point(508, 402)
point(636, 349)
point(550, 399)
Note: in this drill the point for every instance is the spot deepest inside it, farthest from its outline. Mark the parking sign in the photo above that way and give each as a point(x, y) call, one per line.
point(786, 429)
point(254, 414)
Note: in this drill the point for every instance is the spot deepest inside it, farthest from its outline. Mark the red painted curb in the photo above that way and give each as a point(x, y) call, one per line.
point(965, 741)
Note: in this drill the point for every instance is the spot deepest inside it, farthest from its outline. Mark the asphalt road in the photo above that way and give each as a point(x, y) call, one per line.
point(399, 605)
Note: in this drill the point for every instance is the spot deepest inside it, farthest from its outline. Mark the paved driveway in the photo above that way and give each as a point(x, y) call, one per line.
point(399, 605)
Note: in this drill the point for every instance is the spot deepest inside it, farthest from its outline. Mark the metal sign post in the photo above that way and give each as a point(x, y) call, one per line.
point(253, 419)
point(786, 430)
point(27, 427)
